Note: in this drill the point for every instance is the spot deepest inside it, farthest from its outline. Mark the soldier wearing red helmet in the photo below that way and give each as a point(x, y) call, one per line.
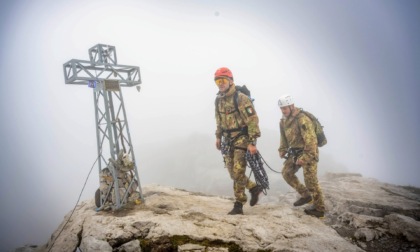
point(238, 127)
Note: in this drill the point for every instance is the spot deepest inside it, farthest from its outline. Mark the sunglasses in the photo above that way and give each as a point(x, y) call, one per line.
point(221, 81)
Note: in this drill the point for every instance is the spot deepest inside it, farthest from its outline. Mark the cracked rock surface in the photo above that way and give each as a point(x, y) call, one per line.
point(362, 214)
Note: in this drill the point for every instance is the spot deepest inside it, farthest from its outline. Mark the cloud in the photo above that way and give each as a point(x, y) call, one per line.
point(354, 65)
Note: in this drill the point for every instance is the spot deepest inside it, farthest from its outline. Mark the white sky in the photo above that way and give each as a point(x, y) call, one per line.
point(353, 64)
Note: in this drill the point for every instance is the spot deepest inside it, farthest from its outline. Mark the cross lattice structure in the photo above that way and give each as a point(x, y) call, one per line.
point(116, 161)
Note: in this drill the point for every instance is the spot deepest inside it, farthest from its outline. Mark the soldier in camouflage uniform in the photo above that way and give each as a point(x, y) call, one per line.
point(239, 130)
point(298, 140)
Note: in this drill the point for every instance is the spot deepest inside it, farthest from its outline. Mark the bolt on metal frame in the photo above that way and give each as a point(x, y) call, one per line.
point(103, 74)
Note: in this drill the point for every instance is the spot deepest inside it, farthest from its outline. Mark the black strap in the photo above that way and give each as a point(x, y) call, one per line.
point(244, 130)
point(295, 151)
point(235, 101)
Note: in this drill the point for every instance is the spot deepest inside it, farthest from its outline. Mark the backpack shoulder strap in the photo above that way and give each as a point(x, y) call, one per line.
point(235, 100)
point(216, 106)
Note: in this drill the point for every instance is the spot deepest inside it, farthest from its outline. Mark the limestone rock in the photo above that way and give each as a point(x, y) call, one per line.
point(403, 225)
point(362, 214)
point(367, 210)
point(91, 243)
point(132, 246)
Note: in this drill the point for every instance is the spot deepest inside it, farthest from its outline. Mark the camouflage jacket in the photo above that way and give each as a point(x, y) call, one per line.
point(227, 118)
point(297, 131)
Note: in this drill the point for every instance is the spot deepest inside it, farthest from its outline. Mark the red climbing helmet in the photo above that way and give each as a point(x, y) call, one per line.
point(223, 72)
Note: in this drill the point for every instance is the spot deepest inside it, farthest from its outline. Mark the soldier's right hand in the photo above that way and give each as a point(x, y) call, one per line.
point(218, 143)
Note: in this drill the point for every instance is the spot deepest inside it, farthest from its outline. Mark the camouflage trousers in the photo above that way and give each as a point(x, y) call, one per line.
point(235, 163)
point(311, 186)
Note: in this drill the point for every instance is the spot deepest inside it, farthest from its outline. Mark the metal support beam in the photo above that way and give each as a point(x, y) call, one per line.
point(81, 72)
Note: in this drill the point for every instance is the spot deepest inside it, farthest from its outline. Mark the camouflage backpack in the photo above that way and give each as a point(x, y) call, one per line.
point(319, 131)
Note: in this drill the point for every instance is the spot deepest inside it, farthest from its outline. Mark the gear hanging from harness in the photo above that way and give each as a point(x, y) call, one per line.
point(257, 167)
point(227, 141)
point(225, 146)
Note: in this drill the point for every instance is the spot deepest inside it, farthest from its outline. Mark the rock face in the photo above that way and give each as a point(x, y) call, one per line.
point(374, 215)
point(363, 215)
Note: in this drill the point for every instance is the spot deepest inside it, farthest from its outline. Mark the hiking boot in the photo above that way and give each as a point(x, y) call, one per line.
point(302, 201)
point(237, 209)
point(314, 212)
point(255, 193)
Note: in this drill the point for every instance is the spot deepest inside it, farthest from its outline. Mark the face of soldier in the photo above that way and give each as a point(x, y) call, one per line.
point(286, 111)
point(223, 84)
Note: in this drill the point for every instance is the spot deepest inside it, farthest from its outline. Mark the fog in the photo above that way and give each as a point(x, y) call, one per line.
point(354, 64)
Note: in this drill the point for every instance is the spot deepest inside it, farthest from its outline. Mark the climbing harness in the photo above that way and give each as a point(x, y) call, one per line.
point(294, 153)
point(227, 142)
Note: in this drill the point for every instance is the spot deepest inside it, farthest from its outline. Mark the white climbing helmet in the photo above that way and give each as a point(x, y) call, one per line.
point(285, 100)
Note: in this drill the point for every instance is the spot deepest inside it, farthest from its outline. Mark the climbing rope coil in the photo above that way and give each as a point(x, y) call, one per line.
point(257, 167)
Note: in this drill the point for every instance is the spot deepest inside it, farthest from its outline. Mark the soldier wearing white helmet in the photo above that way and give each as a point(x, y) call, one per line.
point(298, 144)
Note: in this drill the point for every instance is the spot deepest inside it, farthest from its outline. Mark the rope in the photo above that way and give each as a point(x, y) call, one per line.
point(267, 164)
point(74, 206)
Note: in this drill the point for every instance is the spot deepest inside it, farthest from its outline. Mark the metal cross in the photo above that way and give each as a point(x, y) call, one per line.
point(105, 77)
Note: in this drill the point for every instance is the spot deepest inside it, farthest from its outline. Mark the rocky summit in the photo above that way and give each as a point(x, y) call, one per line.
point(363, 215)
